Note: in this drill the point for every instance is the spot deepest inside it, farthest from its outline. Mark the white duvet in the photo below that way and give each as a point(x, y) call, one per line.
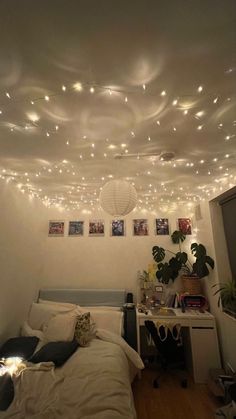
point(93, 384)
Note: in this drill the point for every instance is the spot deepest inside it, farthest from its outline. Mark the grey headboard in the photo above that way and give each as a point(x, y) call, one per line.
point(86, 297)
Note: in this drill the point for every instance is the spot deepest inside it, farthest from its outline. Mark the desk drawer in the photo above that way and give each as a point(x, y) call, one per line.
point(202, 323)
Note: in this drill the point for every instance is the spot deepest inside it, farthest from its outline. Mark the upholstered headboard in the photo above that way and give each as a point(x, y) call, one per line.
point(86, 297)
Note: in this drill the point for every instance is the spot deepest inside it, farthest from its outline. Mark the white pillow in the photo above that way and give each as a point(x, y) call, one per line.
point(57, 303)
point(61, 327)
point(111, 320)
point(26, 330)
point(40, 314)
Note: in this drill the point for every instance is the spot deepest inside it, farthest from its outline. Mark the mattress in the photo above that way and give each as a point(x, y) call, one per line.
point(94, 383)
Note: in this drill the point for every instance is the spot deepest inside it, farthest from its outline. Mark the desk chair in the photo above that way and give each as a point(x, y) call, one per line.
point(170, 351)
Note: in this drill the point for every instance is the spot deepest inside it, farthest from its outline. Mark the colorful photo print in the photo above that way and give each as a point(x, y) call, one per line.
point(162, 227)
point(56, 228)
point(118, 228)
point(140, 227)
point(185, 225)
point(76, 228)
point(96, 228)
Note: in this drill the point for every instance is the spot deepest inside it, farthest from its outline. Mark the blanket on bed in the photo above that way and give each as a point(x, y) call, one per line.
point(93, 383)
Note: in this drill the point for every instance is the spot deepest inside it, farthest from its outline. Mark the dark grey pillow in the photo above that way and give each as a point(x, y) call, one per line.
point(6, 391)
point(57, 352)
point(22, 346)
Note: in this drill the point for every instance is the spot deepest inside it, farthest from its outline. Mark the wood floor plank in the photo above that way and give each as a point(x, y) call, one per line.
point(170, 400)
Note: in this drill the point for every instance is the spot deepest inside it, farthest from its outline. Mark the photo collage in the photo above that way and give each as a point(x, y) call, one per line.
point(140, 227)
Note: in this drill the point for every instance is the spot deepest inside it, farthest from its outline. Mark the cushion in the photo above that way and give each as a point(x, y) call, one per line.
point(57, 303)
point(61, 327)
point(84, 330)
point(26, 330)
point(40, 314)
point(22, 347)
point(6, 391)
point(108, 319)
point(57, 352)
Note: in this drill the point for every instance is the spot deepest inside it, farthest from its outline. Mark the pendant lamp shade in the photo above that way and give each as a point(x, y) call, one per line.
point(118, 197)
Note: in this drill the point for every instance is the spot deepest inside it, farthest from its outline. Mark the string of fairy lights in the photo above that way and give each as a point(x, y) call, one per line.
point(83, 191)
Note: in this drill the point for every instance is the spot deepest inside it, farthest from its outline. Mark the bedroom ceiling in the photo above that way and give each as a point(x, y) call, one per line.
point(139, 90)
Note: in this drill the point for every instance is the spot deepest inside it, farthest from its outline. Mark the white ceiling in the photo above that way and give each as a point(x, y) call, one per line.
point(63, 150)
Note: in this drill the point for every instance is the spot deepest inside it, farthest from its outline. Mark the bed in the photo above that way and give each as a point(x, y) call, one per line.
point(95, 382)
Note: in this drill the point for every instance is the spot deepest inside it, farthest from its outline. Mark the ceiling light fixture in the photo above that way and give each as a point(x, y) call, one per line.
point(118, 197)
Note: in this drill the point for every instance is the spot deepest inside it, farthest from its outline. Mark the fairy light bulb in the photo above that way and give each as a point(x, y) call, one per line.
point(200, 89)
point(63, 88)
point(163, 93)
point(92, 89)
point(46, 98)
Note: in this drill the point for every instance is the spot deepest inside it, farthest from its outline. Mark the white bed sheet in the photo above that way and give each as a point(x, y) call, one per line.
point(95, 383)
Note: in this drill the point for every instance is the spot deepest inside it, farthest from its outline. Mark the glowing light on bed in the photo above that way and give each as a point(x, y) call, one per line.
point(11, 365)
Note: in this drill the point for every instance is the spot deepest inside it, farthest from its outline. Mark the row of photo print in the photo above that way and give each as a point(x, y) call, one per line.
point(140, 227)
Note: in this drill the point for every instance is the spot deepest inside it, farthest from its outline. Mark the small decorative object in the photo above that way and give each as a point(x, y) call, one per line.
point(56, 228)
point(96, 228)
point(162, 226)
point(179, 263)
point(118, 228)
point(76, 228)
point(118, 197)
point(227, 296)
point(140, 227)
point(185, 225)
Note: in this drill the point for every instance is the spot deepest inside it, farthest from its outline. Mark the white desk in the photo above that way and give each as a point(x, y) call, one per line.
point(201, 339)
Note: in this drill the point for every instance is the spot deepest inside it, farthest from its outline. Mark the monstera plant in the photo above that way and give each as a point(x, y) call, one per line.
point(179, 262)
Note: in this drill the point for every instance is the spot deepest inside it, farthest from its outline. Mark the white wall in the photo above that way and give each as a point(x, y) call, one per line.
point(20, 257)
point(101, 262)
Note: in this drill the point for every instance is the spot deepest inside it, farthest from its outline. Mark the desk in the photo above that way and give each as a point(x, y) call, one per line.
point(200, 338)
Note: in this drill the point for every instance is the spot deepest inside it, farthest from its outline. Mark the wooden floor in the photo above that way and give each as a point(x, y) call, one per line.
point(170, 400)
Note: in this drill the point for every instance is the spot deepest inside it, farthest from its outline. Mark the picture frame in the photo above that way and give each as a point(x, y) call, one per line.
point(56, 228)
point(96, 228)
point(185, 226)
point(118, 228)
point(140, 227)
point(162, 227)
point(76, 228)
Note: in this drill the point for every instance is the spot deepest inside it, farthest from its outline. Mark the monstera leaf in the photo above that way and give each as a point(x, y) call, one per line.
point(202, 260)
point(177, 237)
point(182, 257)
point(158, 253)
point(167, 271)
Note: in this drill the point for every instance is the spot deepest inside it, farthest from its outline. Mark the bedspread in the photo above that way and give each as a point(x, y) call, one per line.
point(93, 383)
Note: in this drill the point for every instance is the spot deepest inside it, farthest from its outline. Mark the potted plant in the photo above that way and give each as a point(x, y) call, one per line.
point(227, 296)
point(180, 264)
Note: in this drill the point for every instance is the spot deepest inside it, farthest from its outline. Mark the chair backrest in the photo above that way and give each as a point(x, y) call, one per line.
point(169, 348)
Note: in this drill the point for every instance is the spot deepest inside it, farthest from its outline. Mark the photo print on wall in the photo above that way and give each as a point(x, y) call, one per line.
point(96, 228)
point(140, 227)
point(76, 228)
point(185, 225)
point(162, 226)
point(56, 228)
point(117, 228)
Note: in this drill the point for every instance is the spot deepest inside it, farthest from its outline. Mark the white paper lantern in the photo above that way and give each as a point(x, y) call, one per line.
point(118, 197)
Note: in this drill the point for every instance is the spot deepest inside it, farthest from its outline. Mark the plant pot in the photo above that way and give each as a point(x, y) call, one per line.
point(192, 285)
